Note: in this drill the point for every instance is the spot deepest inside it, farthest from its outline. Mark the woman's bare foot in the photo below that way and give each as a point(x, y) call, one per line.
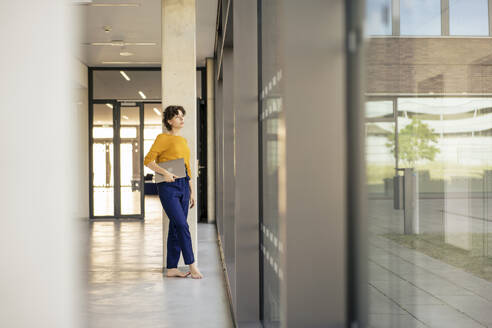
point(174, 272)
point(195, 273)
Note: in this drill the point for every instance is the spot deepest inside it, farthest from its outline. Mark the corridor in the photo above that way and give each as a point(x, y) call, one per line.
point(126, 287)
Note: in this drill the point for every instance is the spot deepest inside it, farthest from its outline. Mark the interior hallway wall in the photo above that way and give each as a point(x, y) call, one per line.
point(219, 126)
point(237, 157)
point(229, 240)
point(313, 165)
point(210, 101)
point(41, 167)
point(81, 103)
point(302, 152)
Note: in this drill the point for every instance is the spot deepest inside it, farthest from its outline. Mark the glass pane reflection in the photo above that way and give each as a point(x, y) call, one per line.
point(469, 17)
point(102, 160)
point(433, 93)
point(152, 128)
point(270, 116)
point(420, 17)
point(378, 16)
point(111, 84)
point(130, 178)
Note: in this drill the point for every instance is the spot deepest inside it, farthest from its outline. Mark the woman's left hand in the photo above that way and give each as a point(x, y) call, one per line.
point(192, 201)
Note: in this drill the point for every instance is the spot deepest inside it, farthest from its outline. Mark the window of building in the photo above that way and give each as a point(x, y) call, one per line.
point(420, 17)
point(468, 17)
point(378, 13)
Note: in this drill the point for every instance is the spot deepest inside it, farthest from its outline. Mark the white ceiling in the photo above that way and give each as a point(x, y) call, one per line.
point(137, 24)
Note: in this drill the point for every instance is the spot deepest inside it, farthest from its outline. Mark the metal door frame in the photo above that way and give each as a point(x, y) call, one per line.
point(117, 104)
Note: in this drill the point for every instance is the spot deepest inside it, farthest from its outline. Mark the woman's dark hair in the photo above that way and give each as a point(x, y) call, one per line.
point(169, 113)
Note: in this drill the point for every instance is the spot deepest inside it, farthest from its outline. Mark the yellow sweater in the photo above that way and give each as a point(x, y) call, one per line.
point(167, 147)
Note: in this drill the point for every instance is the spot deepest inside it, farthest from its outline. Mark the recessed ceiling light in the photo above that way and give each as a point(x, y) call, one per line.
point(142, 95)
point(157, 111)
point(126, 53)
point(130, 62)
point(110, 106)
point(119, 43)
point(125, 76)
point(90, 4)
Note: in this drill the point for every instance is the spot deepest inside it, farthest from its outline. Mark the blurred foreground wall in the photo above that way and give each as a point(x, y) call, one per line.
point(43, 166)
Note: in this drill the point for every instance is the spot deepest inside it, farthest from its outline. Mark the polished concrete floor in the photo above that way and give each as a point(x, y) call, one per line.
point(126, 286)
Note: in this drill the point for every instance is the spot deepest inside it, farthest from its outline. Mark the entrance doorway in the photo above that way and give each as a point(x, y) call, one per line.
point(116, 160)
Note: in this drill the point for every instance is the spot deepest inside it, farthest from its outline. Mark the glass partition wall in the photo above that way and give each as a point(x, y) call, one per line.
point(125, 117)
point(103, 160)
point(429, 156)
point(130, 160)
point(270, 111)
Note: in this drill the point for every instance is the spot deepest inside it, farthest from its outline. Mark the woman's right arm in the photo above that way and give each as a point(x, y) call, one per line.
point(157, 169)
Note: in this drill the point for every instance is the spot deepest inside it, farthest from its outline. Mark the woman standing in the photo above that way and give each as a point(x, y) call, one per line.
point(176, 194)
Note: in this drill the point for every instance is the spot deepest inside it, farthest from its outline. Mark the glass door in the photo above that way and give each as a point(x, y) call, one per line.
point(102, 160)
point(131, 161)
point(116, 137)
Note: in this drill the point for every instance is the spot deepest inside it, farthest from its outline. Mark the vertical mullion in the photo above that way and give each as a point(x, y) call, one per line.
point(395, 114)
point(445, 17)
point(116, 159)
point(141, 150)
point(260, 162)
point(356, 242)
point(490, 15)
point(395, 17)
point(91, 148)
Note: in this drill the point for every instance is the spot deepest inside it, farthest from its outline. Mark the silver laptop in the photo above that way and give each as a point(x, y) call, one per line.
point(175, 166)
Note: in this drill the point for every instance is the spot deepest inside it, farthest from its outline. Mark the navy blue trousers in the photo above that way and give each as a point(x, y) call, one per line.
point(175, 199)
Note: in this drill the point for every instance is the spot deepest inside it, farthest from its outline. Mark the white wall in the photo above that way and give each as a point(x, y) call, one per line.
point(80, 107)
point(42, 168)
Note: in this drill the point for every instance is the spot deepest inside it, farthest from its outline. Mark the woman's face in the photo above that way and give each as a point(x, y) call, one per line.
point(177, 121)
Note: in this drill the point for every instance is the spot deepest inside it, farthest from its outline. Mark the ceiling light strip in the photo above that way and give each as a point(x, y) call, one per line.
point(130, 62)
point(119, 43)
point(90, 4)
point(125, 76)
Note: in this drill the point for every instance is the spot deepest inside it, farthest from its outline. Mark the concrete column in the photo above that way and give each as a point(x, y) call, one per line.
point(179, 88)
point(210, 140)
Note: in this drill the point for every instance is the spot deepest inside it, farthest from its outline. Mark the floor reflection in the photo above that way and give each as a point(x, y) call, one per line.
point(126, 286)
point(412, 285)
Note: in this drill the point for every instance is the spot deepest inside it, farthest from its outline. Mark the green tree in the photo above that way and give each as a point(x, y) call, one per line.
point(415, 142)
